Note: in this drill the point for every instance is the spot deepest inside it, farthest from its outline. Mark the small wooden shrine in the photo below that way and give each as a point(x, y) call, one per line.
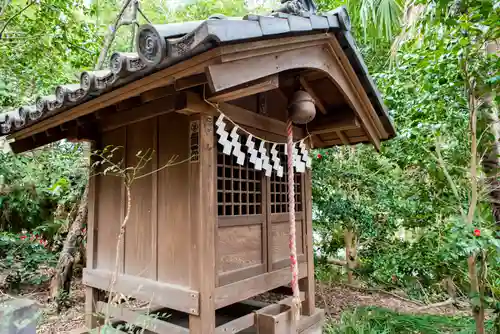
point(208, 235)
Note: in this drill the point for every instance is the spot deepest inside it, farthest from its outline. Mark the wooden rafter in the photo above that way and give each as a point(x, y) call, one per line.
point(343, 137)
point(319, 105)
point(340, 120)
point(258, 86)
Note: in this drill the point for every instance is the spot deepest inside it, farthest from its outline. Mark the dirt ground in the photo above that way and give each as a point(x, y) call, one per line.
point(334, 299)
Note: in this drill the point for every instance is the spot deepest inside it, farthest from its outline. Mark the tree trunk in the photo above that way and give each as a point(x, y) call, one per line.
point(491, 163)
point(350, 254)
point(61, 280)
point(477, 310)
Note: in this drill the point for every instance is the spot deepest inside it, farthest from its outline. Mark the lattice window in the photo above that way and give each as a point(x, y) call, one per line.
point(279, 188)
point(239, 188)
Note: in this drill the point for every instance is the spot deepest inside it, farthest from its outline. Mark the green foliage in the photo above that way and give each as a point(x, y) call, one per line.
point(377, 321)
point(406, 202)
point(23, 259)
point(376, 21)
point(40, 188)
point(39, 191)
point(43, 46)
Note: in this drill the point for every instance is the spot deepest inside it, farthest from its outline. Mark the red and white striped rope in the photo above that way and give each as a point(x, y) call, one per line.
point(291, 216)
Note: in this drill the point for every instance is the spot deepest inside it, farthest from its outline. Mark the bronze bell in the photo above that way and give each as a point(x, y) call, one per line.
point(301, 109)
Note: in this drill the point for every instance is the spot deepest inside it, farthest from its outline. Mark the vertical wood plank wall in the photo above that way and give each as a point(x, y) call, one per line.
point(157, 238)
point(160, 242)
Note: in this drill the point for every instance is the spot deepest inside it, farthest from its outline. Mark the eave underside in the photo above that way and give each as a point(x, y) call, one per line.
point(345, 113)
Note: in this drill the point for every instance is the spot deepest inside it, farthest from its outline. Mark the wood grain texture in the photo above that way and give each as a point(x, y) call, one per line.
point(229, 277)
point(317, 101)
point(156, 293)
point(311, 324)
point(307, 284)
point(320, 58)
point(139, 245)
point(139, 113)
point(174, 236)
point(270, 47)
point(228, 221)
point(109, 206)
point(337, 50)
point(247, 89)
point(203, 219)
point(275, 319)
point(141, 320)
point(279, 242)
point(236, 325)
point(253, 120)
point(154, 200)
point(239, 247)
point(241, 290)
point(91, 294)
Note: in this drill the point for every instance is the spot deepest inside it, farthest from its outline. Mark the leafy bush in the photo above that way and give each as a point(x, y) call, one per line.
point(373, 320)
point(39, 192)
point(39, 189)
point(24, 259)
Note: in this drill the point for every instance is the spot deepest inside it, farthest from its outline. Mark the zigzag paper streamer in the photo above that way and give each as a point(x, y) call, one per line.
point(240, 156)
point(265, 159)
point(223, 135)
point(305, 154)
point(251, 149)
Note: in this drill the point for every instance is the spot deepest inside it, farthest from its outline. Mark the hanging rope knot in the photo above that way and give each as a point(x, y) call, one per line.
point(296, 306)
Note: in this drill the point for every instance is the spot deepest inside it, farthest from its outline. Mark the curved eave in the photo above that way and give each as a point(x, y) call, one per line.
point(125, 68)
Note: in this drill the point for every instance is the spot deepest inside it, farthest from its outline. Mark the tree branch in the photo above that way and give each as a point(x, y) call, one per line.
point(111, 36)
point(4, 8)
point(14, 16)
point(447, 302)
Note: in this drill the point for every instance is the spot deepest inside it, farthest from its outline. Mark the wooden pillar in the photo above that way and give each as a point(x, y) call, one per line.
point(307, 283)
point(91, 294)
point(202, 180)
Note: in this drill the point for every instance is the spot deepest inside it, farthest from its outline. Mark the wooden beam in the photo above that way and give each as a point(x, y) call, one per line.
point(92, 294)
point(196, 105)
point(157, 293)
point(141, 320)
point(335, 48)
point(229, 277)
point(157, 93)
point(203, 221)
point(56, 134)
point(319, 58)
point(153, 108)
point(314, 319)
point(311, 92)
point(129, 103)
point(187, 68)
point(191, 81)
point(247, 89)
point(251, 119)
point(250, 287)
point(343, 124)
point(343, 137)
point(237, 325)
point(307, 283)
point(239, 51)
point(352, 140)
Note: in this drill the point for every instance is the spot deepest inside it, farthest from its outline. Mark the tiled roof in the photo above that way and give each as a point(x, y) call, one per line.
point(160, 46)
